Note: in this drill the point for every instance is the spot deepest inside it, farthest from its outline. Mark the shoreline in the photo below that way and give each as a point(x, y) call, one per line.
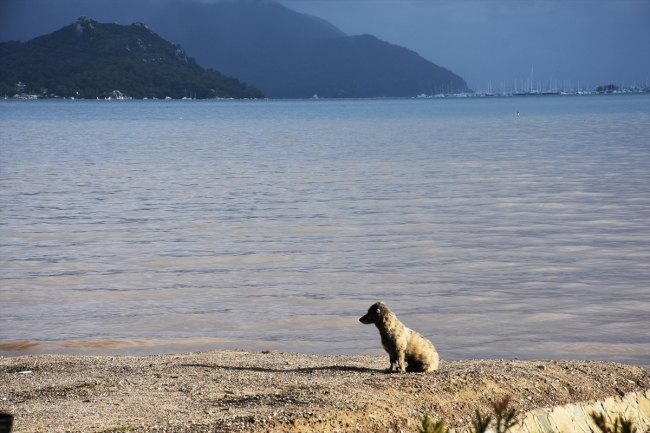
point(172, 346)
point(278, 391)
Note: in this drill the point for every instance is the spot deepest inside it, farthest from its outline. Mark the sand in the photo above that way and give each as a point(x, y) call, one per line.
point(232, 391)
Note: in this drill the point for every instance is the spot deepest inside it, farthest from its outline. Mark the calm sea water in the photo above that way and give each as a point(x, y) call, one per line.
point(161, 226)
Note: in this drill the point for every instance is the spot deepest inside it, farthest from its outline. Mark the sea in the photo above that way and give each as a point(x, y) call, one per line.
point(154, 226)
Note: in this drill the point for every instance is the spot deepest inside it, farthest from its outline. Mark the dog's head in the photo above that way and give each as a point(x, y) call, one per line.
point(375, 313)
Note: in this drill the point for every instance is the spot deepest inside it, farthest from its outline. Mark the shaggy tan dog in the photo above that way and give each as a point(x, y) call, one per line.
point(402, 344)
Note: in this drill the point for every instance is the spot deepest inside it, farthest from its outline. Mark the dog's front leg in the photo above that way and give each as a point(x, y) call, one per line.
point(401, 362)
point(393, 362)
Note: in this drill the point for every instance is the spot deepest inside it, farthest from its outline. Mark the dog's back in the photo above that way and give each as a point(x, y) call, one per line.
point(420, 353)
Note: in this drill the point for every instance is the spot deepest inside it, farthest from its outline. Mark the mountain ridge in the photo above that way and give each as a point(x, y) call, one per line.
point(283, 53)
point(287, 54)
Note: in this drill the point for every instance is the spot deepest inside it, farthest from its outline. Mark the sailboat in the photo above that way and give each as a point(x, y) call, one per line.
point(489, 91)
point(519, 92)
point(532, 92)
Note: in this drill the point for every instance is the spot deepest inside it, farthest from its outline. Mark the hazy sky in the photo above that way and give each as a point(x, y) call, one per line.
point(591, 42)
point(482, 41)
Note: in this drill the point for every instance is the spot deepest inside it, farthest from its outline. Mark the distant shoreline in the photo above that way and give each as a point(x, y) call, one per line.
point(463, 95)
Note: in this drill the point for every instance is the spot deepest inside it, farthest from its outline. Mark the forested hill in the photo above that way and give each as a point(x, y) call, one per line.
point(88, 59)
point(287, 54)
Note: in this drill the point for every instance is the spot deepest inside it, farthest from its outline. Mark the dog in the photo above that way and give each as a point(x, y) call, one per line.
point(407, 350)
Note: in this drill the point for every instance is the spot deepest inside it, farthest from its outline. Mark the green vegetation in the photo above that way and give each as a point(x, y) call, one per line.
point(429, 426)
point(505, 418)
point(607, 89)
point(88, 59)
point(621, 425)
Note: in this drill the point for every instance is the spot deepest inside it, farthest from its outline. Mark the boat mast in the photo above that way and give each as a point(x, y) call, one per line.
point(531, 80)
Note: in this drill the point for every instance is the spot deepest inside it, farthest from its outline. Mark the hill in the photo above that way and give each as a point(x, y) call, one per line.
point(88, 59)
point(287, 54)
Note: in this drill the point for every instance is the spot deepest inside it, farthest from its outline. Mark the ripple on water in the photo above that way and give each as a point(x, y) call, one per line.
point(250, 226)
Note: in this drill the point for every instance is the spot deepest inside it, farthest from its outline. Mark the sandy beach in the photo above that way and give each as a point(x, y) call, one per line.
point(228, 391)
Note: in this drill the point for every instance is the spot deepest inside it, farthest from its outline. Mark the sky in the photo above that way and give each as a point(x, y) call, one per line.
point(564, 43)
